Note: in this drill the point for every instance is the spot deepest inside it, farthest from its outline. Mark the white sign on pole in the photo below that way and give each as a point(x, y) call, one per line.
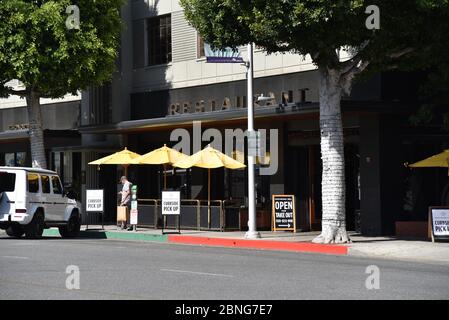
point(440, 222)
point(171, 202)
point(94, 200)
point(253, 143)
point(133, 216)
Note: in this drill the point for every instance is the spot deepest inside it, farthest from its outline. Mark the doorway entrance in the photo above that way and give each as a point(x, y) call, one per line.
point(303, 179)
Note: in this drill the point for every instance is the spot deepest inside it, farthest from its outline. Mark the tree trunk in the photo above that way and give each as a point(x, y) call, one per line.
point(333, 159)
point(38, 158)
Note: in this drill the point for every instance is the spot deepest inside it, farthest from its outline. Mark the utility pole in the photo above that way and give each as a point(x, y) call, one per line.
point(252, 226)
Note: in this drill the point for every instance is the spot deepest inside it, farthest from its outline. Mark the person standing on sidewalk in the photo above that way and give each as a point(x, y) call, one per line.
point(126, 197)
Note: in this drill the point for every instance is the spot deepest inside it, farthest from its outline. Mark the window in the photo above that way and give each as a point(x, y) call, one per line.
point(21, 159)
point(33, 183)
point(17, 159)
point(7, 182)
point(159, 40)
point(57, 188)
point(45, 184)
point(10, 160)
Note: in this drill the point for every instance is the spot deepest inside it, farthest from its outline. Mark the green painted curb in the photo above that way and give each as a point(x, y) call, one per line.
point(112, 235)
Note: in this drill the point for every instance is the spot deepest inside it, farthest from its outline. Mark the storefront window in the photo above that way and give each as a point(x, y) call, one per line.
point(21, 159)
point(17, 159)
point(10, 159)
point(57, 162)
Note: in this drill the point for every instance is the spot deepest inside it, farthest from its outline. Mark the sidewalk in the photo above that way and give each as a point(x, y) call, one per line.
point(369, 247)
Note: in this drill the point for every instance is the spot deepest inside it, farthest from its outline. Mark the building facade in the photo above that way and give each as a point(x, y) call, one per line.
point(163, 83)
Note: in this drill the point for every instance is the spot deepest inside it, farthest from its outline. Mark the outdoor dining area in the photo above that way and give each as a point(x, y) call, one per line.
point(197, 214)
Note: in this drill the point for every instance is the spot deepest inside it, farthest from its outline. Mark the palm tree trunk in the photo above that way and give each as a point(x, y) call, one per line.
point(38, 158)
point(333, 159)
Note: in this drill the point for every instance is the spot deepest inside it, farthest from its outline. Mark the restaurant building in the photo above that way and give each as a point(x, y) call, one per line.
point(164, 83)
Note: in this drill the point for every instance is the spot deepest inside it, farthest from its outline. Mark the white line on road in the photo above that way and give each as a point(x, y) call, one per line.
point(199, 273)
point(14, 257)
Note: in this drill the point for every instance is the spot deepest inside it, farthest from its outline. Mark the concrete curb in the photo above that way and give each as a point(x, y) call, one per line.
point(260, 244)
point(100, 234)
point(212, 242)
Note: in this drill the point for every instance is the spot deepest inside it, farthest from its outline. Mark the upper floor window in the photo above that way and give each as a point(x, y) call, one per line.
point(159, 40)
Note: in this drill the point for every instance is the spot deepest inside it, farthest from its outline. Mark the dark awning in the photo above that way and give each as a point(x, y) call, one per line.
point(205, 117)
point(13, 135)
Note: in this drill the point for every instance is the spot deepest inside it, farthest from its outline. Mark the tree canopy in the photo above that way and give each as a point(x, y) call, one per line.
point(37, 47)
point(320, 27)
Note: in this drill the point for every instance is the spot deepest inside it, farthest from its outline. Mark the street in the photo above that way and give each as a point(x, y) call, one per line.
point(110, 269)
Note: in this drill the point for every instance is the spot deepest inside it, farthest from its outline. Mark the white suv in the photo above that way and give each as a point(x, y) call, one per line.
point(32, 200)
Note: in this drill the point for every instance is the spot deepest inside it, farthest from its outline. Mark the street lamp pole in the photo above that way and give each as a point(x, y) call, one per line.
point(252, 227)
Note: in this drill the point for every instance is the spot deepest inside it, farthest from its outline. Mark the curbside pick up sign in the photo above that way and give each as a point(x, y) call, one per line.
point(94, 200)
point(283, 213)
point(440, 222)
point(171, 203)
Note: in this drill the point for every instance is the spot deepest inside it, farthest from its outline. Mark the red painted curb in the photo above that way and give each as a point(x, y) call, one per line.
point(261, 244)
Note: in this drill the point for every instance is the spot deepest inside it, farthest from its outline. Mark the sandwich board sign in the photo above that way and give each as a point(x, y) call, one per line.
point(94, 200)
point(95, 204)
point(283, 213)
point(171, 203)
point(439, 222)
point(171, 206)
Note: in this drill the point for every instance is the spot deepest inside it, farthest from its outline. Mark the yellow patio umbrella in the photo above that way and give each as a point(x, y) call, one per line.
point(439, 160)
point(123, 158)
point(164, 156)
point(209, 158)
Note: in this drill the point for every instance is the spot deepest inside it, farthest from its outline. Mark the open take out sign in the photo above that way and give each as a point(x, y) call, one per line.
point(284, 213)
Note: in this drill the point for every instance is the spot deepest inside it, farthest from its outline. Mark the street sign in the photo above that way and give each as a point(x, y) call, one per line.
point(253, 143)
point(439, 221)
point(94, 200)
point(95, 203)
point(171, 202)
point(283, 213)
point(227, 55)
point(171, 207)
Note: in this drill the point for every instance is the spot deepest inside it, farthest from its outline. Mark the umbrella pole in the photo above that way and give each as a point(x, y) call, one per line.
point(208, 198)
point(125, 166)
point(165, 176)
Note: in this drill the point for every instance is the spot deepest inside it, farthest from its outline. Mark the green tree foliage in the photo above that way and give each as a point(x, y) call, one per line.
point(45, 55)
point(319, 27)
point(434, 98)
point(50, 59)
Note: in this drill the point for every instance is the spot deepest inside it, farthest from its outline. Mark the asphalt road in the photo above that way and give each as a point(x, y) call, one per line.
point(109, 269)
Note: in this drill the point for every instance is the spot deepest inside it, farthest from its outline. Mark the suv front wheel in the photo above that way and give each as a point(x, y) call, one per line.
point(35, 228)
point(72, 229)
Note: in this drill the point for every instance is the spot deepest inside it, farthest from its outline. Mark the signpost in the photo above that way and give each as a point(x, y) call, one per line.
point(439, 223)
point(283, 213)
point(95, 204)
point(171, 206)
